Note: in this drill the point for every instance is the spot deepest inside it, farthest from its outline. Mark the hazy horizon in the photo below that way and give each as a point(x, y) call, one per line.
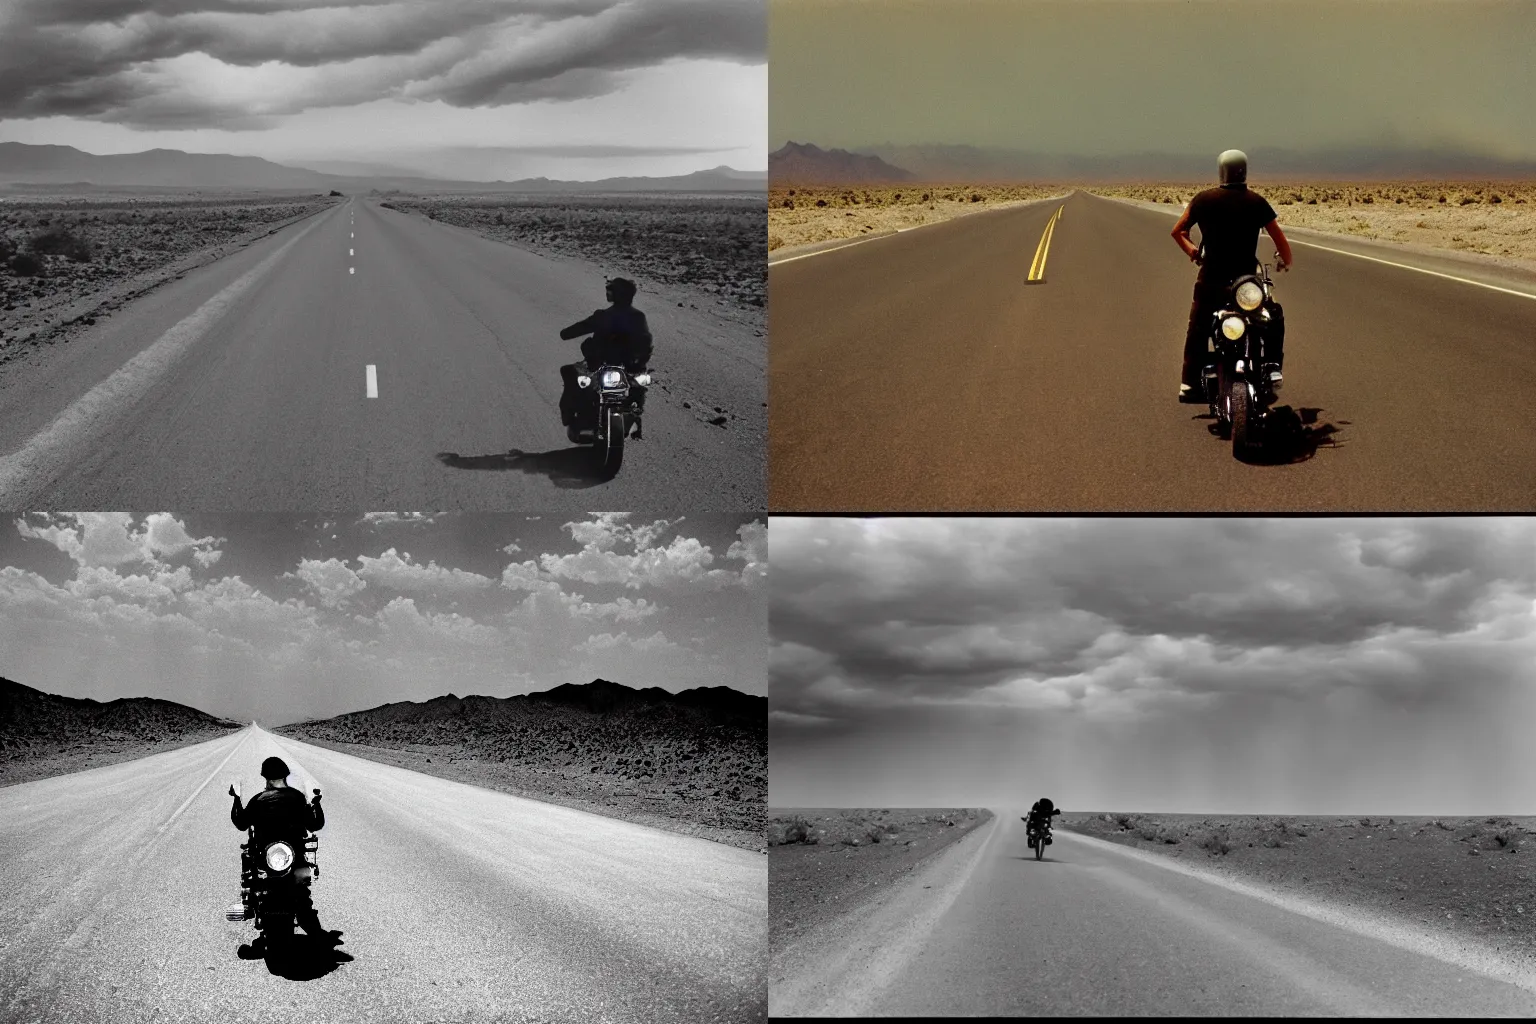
point(465, 89)
point(1121, 78)
point(277, 618)
point(1189, 666)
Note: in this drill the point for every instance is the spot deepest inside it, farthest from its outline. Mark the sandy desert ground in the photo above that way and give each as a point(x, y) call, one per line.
point(1471, 876)
point(66, 260)
point(825, 862)
point(806, 214)
point(711, 244)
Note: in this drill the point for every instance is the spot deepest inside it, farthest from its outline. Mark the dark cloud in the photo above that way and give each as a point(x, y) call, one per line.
point(870, 616)
point(210, 64)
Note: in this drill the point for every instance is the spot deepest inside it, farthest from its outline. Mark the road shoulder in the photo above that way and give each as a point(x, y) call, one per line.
point(842, 965)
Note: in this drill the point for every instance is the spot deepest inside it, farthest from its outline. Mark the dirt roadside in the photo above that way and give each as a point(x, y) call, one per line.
point(825, 863)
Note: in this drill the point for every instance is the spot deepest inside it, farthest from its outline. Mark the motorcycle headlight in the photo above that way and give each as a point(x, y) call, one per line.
point(612, 378)
point(583, 381)
point(1249, 295)
point(279, 856)
point(1232, 327)
point(643, 379)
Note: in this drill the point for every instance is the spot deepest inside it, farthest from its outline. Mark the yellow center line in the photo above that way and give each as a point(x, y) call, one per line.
point(1037, 267)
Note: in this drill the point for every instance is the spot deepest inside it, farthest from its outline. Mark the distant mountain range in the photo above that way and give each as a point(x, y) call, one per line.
point(808, 163)
point(702, 706)
point(795, 163)
point(34, 721)
point(21, 163)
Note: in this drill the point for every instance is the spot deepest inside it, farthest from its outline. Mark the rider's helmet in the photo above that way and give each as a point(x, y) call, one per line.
point(621, 290)
point(274, 768)
point(1232, 167)
point(1046, 805)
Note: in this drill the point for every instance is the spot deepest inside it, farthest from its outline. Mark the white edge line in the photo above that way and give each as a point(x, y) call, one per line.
point(1376, 259)
point(910, 227)
point(186, 803)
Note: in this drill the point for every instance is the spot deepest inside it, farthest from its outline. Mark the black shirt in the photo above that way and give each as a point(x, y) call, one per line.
point(619, 334)
point(1230, 220)
point(278, 814)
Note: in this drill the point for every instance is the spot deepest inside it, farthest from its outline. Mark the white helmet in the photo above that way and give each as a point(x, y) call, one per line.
point(1232, 167)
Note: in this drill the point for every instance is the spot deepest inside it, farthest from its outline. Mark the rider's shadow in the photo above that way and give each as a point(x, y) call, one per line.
point(568, 468)
point(304, 959)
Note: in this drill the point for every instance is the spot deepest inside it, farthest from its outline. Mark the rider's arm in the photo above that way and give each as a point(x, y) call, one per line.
point(236, 815)
point(1181, 235)
point(576, 330)
point(1282, 246)
point(317, 815)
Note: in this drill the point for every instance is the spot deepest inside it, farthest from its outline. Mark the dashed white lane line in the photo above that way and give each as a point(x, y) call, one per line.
point(373, 382)
point(351, 252)
point(93, 412)
point(351, 270)
point(212, 775)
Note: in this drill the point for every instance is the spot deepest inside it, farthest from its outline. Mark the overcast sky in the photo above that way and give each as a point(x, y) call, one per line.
point(1233, 665)
point(279, 618)
point(576, 89)
point(1127, 76)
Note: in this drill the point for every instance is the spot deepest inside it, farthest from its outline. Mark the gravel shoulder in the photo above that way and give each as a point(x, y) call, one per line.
point(826, 863)
point(575, 788)
point(1466, 878)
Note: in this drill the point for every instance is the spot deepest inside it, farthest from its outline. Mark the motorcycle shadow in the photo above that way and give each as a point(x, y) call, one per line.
point(569, 468)
point(1291, 436)
point(303, 959)
point(1047, 859)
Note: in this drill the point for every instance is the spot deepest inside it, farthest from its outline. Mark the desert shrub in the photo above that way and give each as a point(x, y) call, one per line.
point(1466, 200)
point(26, 265)
point(1123, 820)
point(1214, 843)
point(1495, 198)
point(61, 242)
point(975, 197)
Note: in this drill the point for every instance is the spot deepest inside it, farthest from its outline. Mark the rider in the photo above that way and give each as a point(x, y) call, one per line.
point(280, 812)
point(1229, 218)
point(1041, 813)
point(620, 336)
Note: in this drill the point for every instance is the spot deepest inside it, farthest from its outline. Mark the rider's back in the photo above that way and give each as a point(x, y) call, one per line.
point(1230, 220)
point(279, 814)
point(621, 333)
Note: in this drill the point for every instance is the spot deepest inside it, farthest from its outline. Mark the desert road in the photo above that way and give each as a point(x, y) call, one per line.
point(457, 903)
point(920, 371)
point(1096, 929)
point(370, 358)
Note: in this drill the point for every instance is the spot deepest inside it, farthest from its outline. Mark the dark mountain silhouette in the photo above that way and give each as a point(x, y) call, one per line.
point(1365, 162)
point(803, 163)
point(21, 163)
point(35, 723)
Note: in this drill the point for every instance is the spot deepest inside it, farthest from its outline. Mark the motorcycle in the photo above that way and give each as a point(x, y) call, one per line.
point(1039, 835)
point(270, 879)
point(609, 414)
point(1236, 381)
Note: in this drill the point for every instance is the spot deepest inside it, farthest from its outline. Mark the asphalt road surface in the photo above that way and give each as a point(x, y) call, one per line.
point(457, 903)
point(919, 372)
point(248, 385)
point(1093, 929)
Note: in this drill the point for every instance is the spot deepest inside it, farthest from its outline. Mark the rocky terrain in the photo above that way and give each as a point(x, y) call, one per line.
point(693, 762)
point(66, 261)
point(805, 214)
point(1496, 219)
point(42, 734)
point(709, 243)
point(826, 862)
point(1469, 876)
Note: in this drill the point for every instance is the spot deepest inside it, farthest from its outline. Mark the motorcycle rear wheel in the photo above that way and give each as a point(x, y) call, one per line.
point(1040, 849)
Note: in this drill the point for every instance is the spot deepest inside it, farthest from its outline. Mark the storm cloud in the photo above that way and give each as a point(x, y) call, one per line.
point(1273, 633)
point(245, 64)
